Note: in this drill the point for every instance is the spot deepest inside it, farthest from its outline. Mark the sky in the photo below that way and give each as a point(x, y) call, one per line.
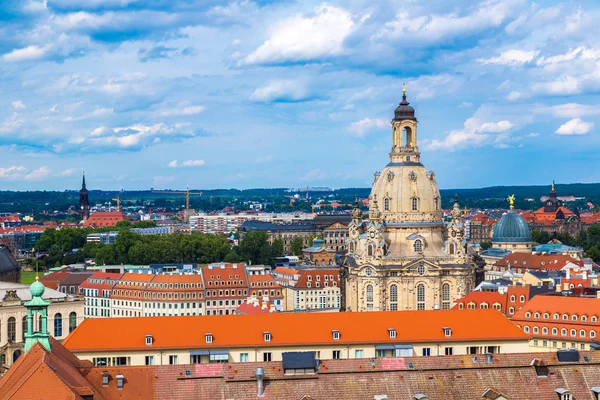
point(265, 93)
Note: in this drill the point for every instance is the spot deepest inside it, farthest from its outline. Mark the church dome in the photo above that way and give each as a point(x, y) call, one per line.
point(511, 228)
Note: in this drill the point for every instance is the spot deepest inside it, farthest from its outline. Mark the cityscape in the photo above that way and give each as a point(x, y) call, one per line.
point(335, 234)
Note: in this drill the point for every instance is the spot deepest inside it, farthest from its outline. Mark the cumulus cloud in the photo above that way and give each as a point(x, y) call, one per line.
point(513, 58)
point(281, 91)
point(303, 38)
point(136, 136)
point(575, 126)
point(185, 110)
point(188, 163)
point(14, 171)
point(68, 172)
point(474, 134)
point(360, 128)
point(571, 110)
point(172, 164)
point(98, 131)
point(38, 174)
point(18, 104)
point(32, 52)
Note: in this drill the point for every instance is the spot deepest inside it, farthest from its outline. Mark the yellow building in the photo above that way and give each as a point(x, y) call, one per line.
point(265, 337)
point(405, 256)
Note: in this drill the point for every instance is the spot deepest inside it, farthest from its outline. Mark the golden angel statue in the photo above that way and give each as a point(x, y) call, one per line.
point(511, 200)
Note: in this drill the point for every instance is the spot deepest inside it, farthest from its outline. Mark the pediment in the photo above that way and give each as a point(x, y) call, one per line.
point(413, 265)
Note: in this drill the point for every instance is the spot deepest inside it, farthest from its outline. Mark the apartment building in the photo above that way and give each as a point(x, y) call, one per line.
point(226, 287)
point(315, 289)
point(267, 337)
point(97, 291)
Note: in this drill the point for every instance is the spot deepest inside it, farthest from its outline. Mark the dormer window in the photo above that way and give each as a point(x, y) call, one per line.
point(447, 331)
point(564, 394)
point(336, 335)
point(105, 378)
point(120, 381)
point(209, 338)
point(267, 336)
point(392, 333)
point(149, 340)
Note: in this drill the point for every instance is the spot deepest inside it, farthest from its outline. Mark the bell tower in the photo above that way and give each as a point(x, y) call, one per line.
point(37, 306)
point(404, 133)
point(84, 202)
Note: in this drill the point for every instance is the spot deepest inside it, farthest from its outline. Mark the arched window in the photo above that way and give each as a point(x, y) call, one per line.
point(511, 310)
point(386, 204)
point(415, 204)
point(471, 306)
point(369, 290)
point(23, 328)
point(536, 315)
point(436, 203)
point(72, 321)
point(512, 298)
point(582, 333)
point(451, 250)
point(421, 269)
point(536, 329)
point(12, 329)
point(546, 316)
point(351, 247)
point(418, 246)
point(420, 296)
point(446, 296)
point(526, 329)
point(497, 306)
point(544, 330)
point(394, 297)
point(522, 299)
point(563, 332)
point(370, 250)
point(555, 331)
point(483, 306)
point(461, 306)
point(57, 325)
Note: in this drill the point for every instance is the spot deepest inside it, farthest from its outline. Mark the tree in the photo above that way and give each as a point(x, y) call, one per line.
point(297, 246)
point(277, 248)
point(485, 245)
point(255, 248)
point(593, 253)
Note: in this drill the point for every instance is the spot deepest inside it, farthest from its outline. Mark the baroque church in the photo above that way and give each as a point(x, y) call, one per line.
point(405, 256)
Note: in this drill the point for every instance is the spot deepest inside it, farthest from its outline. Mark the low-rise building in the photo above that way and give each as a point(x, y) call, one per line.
point(226, 287)
point(265, 338)
point(316, 289)
point(560, 322)
point(319, 254)
point(97, 290)
point(104, 218)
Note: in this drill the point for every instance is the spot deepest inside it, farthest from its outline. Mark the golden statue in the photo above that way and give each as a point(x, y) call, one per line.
point(511, 200)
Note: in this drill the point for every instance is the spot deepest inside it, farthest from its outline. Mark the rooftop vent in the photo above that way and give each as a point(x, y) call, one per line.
point(260, 376)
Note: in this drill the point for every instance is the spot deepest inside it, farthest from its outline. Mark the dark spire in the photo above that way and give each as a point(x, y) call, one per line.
point(83, 183)
point(404, 111)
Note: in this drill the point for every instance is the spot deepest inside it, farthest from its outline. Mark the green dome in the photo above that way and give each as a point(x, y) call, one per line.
point(37, 288)
point(511, 228)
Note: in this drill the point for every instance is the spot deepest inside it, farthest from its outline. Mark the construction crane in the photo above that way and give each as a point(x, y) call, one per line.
point(187, 212)
point(118, 200)
point(291, 200)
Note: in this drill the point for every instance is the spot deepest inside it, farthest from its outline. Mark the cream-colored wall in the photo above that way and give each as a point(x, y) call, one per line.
point(311, 297)
point(549, 348)
point(255, 354)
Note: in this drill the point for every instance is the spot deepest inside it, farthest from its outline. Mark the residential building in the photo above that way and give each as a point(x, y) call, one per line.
point(9, 268)
point(262, 337)
point(560, 322)
point(518, 263)
point(263, 285)
point(97, 291)
point(71, 282)
point(65, 312)
point(480, 227)
point(226, 287)
point(111, 237)
point(314, 289)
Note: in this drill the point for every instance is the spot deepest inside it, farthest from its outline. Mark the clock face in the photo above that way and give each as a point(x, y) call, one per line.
point(372, 235)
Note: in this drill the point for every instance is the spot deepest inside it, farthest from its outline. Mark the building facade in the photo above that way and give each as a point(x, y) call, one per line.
point(405, 256)
point(316, 289)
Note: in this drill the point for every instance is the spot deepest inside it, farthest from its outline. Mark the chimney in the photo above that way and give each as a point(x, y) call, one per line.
point(273, 309)
point(264, 305)
point(260, 376)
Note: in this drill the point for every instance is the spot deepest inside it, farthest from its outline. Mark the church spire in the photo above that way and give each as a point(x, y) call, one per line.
point(37, 306)
point(83, 183)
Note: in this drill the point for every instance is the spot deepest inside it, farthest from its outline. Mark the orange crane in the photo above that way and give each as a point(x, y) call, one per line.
point(291, 200)
point(187, 212)
point(118, 200)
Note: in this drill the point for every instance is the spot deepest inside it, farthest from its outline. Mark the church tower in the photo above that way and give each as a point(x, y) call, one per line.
point(405, 256)
point(84, 202)
point(37, 306)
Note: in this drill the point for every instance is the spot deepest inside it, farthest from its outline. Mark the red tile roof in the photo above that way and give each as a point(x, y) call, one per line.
point(569, 305)
point(93, 334)
point(105, 218)
point(536, 261)
point(312, 276)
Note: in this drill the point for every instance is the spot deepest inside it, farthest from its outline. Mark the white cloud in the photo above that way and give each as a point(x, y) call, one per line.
point(18, 104)
point(360, 128)
point(138, 135)
point(38, 174)
point(13, 171)
point(513, 58)
point(301, 38)
point(474, 134)
point(575, 126)
point(98, 131)
point(533, 134)
point(281, 90)
point(187, 110)
point(98, 112)
point(465, 104)
point(68, 172)
point(172, 164)
point(514, 95)
point(571, 110)
point(193, 163)
point(413, 29)
point(27, 53)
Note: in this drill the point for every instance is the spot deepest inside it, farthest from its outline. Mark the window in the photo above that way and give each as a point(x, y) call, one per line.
point(563, 332)
point(426, 351)
point(418, 246)
point(536, 315)
point(511, 310)
point(392, 333)
point(105, 377)
point(592, 334)
point(555, 331)
point(149, 360)
point(512, 298)
point(72, 321)
point(386, 204)
point(415, 204)
point(420, 296)
point(23, 328)
point(267, 336)
point(57, 325)
point(526, 329)
point(573, 332)
point(266, 357)
point(448, 351)
point(497, 306)
point(369, 293)
point(536, 329)
point(555, 316)
point(172, 359)
point(358, 353)
point(120, 381)
point(209, 337)
point(148, 340)
point(337, 354)
point(447, 332)
point(483, 306)
point(243, 357)
point(544, 330)
point(394, 293)
point(12, 329)
point(336, 335)
point(522, 299)
point(421, 269)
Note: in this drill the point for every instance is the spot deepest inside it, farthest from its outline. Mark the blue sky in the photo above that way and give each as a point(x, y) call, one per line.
point(216, 94)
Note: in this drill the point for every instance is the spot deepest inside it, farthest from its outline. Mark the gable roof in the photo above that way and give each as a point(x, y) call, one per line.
point(230, 331)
